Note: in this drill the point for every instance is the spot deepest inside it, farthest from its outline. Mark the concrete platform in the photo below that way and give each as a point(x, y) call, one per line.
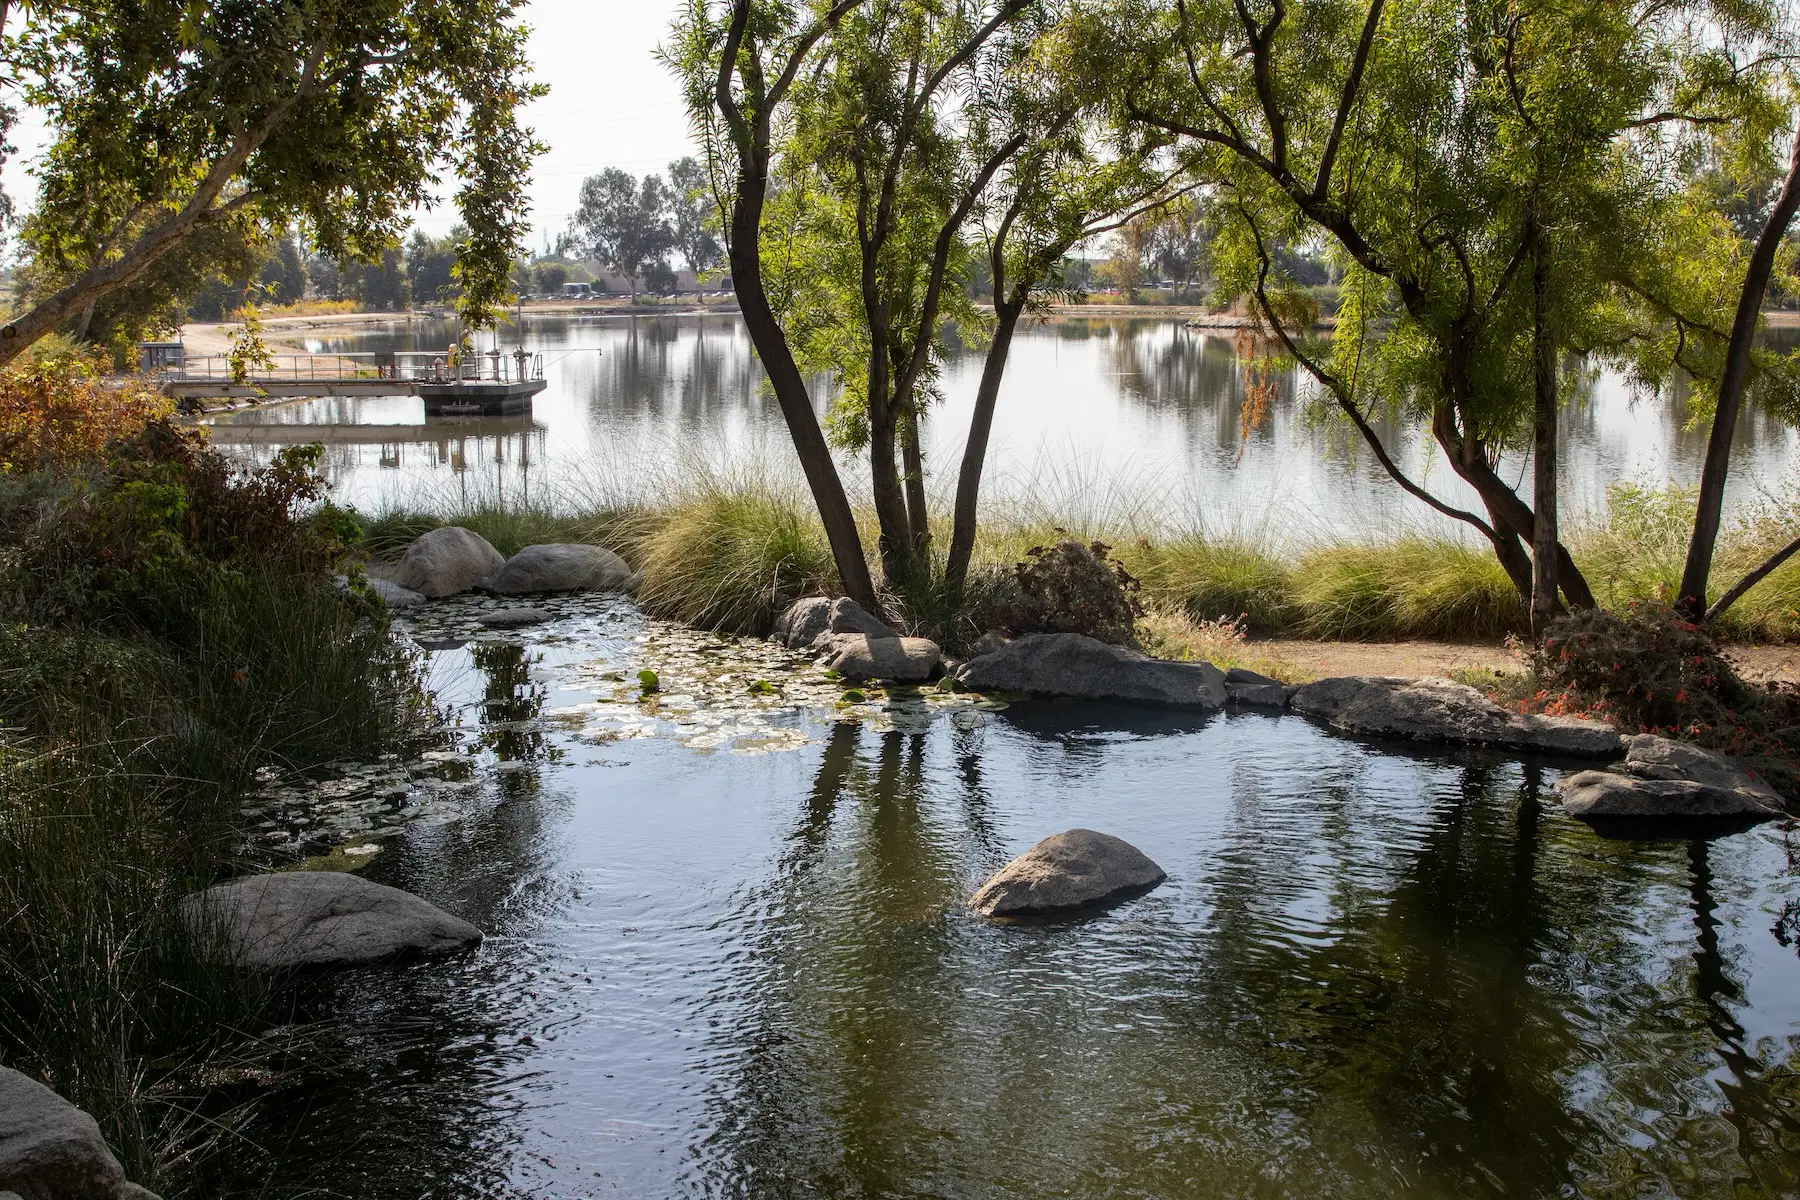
point(479, 397)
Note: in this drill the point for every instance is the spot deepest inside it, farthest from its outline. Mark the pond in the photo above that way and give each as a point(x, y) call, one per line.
point(729, 955)
point(1135, 420)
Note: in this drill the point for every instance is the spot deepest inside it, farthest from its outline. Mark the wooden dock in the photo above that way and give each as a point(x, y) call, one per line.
point(494, 384)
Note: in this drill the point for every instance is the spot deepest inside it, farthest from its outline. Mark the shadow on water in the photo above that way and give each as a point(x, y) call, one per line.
point(1465, 999)
point(1368, 974)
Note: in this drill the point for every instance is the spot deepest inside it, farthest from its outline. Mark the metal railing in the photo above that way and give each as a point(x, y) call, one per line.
point(419, 366)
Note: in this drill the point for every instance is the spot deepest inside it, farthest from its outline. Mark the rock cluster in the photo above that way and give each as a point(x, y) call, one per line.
point(295, 920)
point(452, 560)
point(1664, 778)
point(1071, 664)
point(854, 642)
point(1065, 872)
point(51, 1150)
point(1441, 710)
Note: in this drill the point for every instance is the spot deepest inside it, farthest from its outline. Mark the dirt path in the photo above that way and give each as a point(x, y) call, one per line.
point(1321, 659)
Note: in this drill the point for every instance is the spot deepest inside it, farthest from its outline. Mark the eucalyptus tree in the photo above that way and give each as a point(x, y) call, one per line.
point(1478, 170)
point(693, 216)
point(623, 223)
point(338, 116)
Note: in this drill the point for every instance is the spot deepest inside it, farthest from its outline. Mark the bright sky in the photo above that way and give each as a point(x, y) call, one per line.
point(611, 104)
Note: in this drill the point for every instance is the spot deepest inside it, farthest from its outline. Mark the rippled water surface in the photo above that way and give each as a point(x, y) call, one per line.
point(728, 955)
point(1140, 419)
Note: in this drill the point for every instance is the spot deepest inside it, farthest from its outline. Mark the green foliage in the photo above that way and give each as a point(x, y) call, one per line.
point(248, 354)
point(166, 119)
point(162, 521)
point(170, 631)
point(648, 682)
point(623, 223)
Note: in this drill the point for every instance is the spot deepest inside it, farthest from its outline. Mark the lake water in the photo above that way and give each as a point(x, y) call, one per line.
point(1134, 420)
point(729, 956)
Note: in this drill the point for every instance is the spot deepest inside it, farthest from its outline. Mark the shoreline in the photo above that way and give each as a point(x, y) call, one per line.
point(286, 334)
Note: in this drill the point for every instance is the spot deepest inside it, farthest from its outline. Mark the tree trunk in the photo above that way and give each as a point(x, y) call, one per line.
point(790, 392)
point(1511, 516)
point(918, 513)
point(981, 425)
point(1691, 599)
point(1544, 543)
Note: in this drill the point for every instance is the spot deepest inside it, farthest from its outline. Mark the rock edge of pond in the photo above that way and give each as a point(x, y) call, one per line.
point(52, 1150)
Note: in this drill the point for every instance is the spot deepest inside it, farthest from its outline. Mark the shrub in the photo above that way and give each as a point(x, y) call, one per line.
point(163, 521)
point(58, 413)
point(1072, 588)
point(1649, 670)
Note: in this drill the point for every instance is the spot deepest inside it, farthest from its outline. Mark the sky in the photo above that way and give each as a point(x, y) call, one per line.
point(611, 104)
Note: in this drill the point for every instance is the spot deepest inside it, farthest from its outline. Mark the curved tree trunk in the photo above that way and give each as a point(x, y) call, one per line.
point(1691, 598)
point(981, 426)
point(790, 392)
point(1544, 544)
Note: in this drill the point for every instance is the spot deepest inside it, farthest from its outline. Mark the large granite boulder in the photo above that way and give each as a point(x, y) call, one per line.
point(303, 919)
point(1065, 872)
point(563, 567)
point(847, 616)
point(802, 622)
point(805, 622)
point(857, 656)
point(51, 1150)
point(1665, 778)
point(1442, 710)
point(1070, 664)
point(446, 561)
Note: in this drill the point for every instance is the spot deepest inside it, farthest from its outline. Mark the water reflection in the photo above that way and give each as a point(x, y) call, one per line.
point(1140, 418)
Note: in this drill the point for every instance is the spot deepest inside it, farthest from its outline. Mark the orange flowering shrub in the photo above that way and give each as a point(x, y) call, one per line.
point(60, 412)
point(1649, 670)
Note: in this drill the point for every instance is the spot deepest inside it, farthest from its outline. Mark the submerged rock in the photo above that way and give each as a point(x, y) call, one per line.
point(858, 656)
point(1258, 691)
point(393, 595)
point(51, 1150)
point(1442, 710)
point(446, 561)
point(563, 567)
point(1065, 872)
point(515, 618)
point(300, 919)
point(1070, 664)
point(1665, 778)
